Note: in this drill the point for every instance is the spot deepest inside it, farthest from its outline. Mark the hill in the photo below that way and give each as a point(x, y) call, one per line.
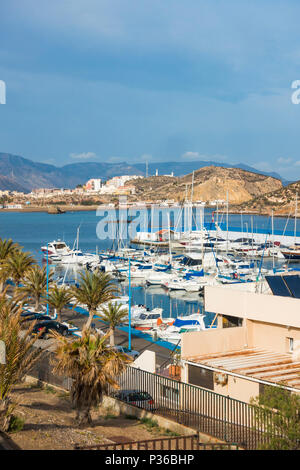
point(282, 201)
point(210, 183)
point(185, 167)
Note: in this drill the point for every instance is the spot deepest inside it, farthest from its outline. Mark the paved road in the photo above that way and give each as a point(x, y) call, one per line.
point(121, 337)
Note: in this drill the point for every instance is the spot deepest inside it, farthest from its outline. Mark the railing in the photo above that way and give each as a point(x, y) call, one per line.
point(166, 443)
point(225, 418)
point(42, 370)
point(201, 409)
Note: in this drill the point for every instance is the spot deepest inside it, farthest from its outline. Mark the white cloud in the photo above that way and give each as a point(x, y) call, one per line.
point(284, 161)
point(263, 166)
point(115, 159)
point(146, 157)
point(191, 155)
point(83, 156)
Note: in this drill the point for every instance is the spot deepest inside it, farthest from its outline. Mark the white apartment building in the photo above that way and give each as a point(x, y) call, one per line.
point(93, 184)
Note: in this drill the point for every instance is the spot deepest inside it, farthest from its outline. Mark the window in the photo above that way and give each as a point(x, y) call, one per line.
point(290, 344)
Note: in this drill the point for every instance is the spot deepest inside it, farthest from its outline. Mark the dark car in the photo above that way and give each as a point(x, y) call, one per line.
point(49, 325)
point(35, 316)
point(136, 398)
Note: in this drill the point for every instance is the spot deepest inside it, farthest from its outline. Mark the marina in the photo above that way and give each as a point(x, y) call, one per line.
point(165, 283)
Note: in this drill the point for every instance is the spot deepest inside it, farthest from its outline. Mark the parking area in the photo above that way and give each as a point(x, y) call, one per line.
point(121, 337)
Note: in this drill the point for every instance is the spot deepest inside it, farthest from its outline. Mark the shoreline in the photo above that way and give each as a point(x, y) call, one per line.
point(95, 207)
point(45, 209)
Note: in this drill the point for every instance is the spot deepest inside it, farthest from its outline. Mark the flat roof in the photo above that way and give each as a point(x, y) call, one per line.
point(259, 364)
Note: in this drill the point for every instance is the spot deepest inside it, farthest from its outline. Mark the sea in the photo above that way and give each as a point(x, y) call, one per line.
point(34, 229)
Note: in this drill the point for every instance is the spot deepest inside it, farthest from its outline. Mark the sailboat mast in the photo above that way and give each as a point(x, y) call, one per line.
point(227, 202)
point(169, 224)
point(192, 194)
point(273, 237)
point(295, 225)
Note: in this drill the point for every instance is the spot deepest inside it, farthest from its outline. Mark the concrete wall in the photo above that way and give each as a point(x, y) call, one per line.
point(260, 307)
point(216, 340)
point(146, 361)
point(239, 389)
point(271, 337)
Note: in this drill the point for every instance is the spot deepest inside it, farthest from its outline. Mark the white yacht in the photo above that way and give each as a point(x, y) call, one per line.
point(77, 257)
point(172, 333)
point(56, 248)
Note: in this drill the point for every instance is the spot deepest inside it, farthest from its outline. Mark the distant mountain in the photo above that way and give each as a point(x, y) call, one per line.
point(8, 184)
point(20, 174)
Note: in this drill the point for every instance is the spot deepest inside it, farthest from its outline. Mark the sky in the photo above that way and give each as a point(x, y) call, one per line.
point(155, 80)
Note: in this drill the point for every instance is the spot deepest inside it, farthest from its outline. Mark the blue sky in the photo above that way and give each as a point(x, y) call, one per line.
point(134, 80)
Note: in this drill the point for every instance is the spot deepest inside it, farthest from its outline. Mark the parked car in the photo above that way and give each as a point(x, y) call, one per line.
point(48, 326)
point(35, 316)
point(131, 353)
point(136, 398)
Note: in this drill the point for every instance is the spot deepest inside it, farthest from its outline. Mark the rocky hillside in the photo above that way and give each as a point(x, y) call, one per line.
point(282, 201)
point(210, 183)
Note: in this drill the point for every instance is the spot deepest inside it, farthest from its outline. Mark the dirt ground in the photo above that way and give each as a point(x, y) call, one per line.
point(49, 423)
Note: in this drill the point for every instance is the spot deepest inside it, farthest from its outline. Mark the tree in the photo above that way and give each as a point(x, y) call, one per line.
point(7, 247)
point(20, 356)
point(93, 290)
point(93, 365)
point(17, 264)
point(114, 315)
point(35, 284)
point(278, 412)
point(58, 298)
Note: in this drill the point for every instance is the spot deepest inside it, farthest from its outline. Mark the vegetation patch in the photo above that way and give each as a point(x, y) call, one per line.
point(16, 424)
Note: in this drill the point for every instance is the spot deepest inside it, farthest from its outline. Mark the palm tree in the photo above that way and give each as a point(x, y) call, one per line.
point(17, 264)
point(58, 298)
point(20, 356)
point(93, 365)
point(114, 315)
point(34, 284)
point(7, 247)
point(93, 290)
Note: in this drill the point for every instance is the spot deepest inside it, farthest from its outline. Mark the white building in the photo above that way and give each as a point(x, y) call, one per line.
point(93, 184)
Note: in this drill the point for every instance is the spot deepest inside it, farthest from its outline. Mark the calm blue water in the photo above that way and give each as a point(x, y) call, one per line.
point(32, 230)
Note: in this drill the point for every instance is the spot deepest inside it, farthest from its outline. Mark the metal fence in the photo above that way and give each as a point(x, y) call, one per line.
point(225, 418)
point(42, 370)
point(162, 443)
point(201, 409)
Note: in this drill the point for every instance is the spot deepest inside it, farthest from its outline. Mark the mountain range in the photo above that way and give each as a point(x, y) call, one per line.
point(21, 174)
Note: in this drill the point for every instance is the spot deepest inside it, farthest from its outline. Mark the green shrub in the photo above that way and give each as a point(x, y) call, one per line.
point(149, 423)
point(16, 424)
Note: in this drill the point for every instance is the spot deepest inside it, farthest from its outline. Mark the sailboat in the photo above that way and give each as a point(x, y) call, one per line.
point(293, 252)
